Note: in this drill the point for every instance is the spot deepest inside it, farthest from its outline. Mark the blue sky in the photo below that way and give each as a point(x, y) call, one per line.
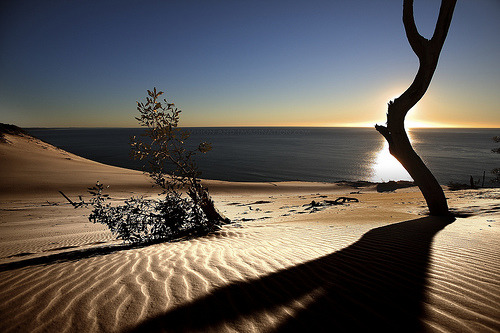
point(241, 63)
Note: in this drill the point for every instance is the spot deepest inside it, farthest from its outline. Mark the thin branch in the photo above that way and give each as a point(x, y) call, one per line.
point(385, 132)
point(70, 201)
point(417, 41)
point(443, 23)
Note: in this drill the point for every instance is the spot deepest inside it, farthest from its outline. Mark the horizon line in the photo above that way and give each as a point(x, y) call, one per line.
point(260, 126)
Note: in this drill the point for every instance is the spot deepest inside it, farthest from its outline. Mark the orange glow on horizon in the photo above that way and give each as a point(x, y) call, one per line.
point(416, 124)
point(409, 124)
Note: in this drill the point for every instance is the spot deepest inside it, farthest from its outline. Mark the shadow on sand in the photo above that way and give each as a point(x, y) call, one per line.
point(377, 283)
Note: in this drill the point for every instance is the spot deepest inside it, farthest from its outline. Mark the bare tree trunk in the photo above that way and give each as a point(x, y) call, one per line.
point(200, 195)
point(400, 147)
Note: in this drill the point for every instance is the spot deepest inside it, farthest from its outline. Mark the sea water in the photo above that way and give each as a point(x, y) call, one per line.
point(267, 154)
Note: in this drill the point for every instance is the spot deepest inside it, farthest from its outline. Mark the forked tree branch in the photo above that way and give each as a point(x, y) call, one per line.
point(427, 52)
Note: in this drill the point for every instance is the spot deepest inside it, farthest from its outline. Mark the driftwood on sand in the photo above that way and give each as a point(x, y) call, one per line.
point(314, 205)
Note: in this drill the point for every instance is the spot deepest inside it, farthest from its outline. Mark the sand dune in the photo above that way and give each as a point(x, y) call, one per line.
point(282, 266)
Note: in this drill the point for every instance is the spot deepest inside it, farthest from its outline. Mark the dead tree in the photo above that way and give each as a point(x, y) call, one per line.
point(394, 132)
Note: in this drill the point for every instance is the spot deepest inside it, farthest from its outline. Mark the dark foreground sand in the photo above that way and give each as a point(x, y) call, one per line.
point(379, 263)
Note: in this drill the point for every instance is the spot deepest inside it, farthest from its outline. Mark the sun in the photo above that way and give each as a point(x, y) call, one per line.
point(386, 167)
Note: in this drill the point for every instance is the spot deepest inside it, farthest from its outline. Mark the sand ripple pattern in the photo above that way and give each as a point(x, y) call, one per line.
point(116, 291)
point(464, 279)
point(138, 289)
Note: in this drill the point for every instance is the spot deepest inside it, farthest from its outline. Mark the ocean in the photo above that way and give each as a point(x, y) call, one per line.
point(268, 154)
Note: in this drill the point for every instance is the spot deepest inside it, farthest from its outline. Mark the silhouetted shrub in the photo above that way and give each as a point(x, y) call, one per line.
point(10, 129)
point(162, 146)
point(171, 166)
point(455, 186)
point(141, 220)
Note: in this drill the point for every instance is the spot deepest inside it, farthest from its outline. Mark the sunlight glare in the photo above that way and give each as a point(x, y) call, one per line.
point(386, 167)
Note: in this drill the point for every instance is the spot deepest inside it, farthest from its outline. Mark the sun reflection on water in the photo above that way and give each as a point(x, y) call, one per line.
point(386, 167)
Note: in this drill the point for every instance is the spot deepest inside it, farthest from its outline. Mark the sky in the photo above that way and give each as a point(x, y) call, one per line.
point(242, 63)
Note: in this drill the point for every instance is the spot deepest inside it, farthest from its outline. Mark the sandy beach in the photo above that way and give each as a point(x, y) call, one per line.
point(284, 264)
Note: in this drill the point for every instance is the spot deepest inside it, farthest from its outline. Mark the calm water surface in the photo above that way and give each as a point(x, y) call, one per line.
point(306, 154)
